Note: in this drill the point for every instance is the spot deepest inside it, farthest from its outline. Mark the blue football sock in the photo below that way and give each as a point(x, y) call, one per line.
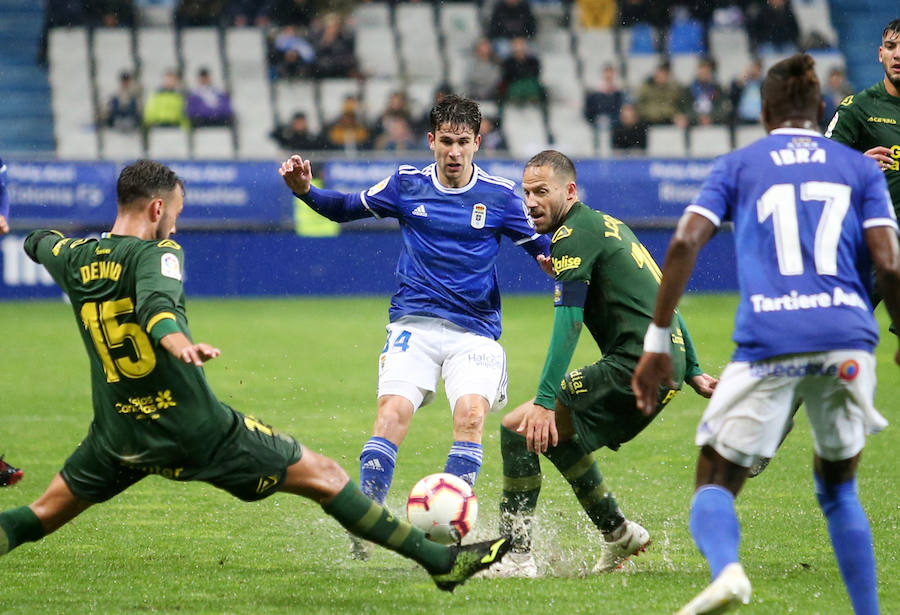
point(851, 538)
point(714, 526)
point(464, 460)
point(376, 467)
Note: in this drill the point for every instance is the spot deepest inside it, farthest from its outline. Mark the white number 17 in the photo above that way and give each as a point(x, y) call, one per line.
point(780, 202)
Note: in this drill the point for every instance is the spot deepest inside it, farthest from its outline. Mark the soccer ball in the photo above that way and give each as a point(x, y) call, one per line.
point(443, 506)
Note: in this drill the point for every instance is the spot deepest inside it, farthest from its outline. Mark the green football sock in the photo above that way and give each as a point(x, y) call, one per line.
point(580, 469)
point(521, 488)
point(372, 521)
point(18, 526)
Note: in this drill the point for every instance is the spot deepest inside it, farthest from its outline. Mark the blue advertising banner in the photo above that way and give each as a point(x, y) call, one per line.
point(254, 264)
point(239, 195)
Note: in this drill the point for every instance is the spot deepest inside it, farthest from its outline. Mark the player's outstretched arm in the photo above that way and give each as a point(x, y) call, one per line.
point(297, 174)
point(655, 367)
point(885, 250)
point(183, 349)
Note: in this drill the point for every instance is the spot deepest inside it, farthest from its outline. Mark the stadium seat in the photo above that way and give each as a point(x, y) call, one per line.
point(686, 36)
point(245, 51)
point(113, 53)
point(604, 140)
point(555, 39)
point(638, 68)
point(571, 132)
point(684, 67)
point(167, 143)
point(559, 74)
point(730, 48)
point(460, 26)
point(117, 145)
point(71, 94)
point(371, 15)
point(420, 94)
point(156, 54)
point(332, 93)
point(77, 143)
point(418, 40)
point(814, 16)
point(256, 145)
point(709, 141)
point(376, 52)
point(596, 48)
point(294, 96)
point(826, 61)
point(213, 143)
point(745, 135)
point(523, 127)
point(376, 93)
point(666, 142)
point(641, 39)
point(200, 47)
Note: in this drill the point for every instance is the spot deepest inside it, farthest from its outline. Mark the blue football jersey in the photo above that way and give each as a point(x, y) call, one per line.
point(800, 204)
point(451, 237)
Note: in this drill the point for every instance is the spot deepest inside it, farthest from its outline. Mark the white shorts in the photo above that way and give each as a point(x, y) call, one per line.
point(753, 401)
point(421, 350)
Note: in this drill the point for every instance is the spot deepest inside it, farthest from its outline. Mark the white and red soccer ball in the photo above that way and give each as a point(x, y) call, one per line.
point(443, 506)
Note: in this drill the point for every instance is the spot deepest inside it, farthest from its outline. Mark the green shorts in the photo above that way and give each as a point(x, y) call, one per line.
point(249, 461)
point(603, 406)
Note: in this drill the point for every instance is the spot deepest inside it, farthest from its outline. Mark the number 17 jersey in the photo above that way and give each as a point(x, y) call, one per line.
point(800, 204)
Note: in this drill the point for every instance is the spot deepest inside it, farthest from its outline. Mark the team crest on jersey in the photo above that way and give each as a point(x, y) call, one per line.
point(170, 267)
point(479, 215)
point(378, 187)
point(561, 233)
point(848, 370)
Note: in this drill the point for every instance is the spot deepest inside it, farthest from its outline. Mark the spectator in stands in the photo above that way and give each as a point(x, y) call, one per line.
point(521, 75)
point(299, 13)
point(293, 55)
point(296, 136)
point(249, 12)
point(662, 100)
point(835, 90)
point(492, 139)
point(773, 28)
point(483, 76)
point(511, 19)
point(606, 100)
point(208, 105)
point(334, 48)
point(109, 13)
point(123, 110)
point(711, 105)
point(165, 107)
point(349, 131)
point(397, 107)
point(745, 94)
point(396, 133)
point(199, 13)
point(630, 131)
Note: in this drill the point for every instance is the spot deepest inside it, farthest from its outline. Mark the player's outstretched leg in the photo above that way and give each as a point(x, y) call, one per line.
point(469, 559)
point(851, 538)
point(9, 475)
point(521, 488)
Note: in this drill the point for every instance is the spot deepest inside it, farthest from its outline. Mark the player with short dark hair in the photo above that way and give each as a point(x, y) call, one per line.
point(154, 412)
point(811, 216)
point(445, 316)
point(606, 280)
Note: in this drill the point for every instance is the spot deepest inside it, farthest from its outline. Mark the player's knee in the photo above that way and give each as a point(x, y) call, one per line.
point(393, 418)
point(469, 413)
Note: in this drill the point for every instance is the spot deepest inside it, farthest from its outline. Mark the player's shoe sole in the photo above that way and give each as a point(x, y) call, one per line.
point(633, 542)
point(8, 474)
point(469, 559)
point(727, 592)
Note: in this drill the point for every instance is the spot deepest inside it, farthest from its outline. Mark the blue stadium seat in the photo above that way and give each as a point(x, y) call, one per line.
point(643, 39)
point(686, 36)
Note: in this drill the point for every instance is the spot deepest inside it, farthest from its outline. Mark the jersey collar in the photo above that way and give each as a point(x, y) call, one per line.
point(442, 188)
point(796, 131)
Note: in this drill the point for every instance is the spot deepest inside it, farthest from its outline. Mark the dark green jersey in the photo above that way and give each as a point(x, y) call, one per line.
point(869, 119)
point(127, 294)
point(622, 280)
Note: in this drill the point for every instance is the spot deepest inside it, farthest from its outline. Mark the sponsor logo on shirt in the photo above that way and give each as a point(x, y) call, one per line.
point(848, 370)
point(881, 120)
point(794, 370)
point(420, 211)
point(566, 262)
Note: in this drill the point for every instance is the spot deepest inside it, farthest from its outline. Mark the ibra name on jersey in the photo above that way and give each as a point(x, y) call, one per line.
point(796, 301)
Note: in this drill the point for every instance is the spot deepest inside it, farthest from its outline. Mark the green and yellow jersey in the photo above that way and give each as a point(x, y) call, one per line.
point(868, 119)
point(127, 293)
point(608, 280)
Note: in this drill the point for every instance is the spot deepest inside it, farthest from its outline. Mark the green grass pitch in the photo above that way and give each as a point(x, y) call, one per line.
point(308, 366)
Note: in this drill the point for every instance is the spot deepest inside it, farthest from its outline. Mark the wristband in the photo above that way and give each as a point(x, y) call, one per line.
point(657, 339)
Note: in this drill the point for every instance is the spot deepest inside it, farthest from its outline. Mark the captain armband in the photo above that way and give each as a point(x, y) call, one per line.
point(658, 339)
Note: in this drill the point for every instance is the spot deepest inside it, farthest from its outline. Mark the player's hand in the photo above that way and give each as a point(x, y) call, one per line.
point(653, 371)
point(297, 174)
point(881, 155)
point(546, 265)
point(4, 226)
point(539, 428)
point(198, 354)
point(704, 384)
